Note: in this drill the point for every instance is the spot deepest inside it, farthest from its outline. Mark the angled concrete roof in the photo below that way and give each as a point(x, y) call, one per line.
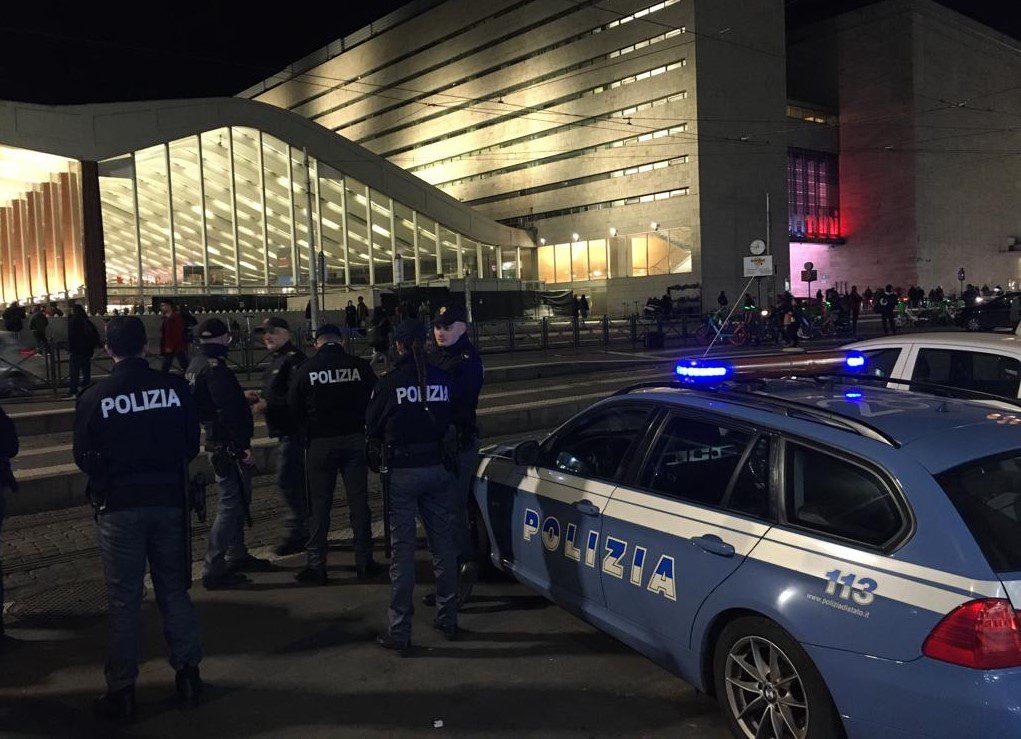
point(96, 132)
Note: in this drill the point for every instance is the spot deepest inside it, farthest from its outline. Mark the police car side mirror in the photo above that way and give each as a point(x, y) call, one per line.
point(526, 453)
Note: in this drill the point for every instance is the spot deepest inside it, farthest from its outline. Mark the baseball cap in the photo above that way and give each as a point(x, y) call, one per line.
point(410, 330)
point(449, 315)
point(212, 328)
point(276, 322)
point(125, 336)
point(328, 329)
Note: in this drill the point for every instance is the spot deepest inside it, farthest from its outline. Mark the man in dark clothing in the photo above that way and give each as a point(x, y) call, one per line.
point(38, 326)
point(854, 301)
point(408, 416)
point(224, 412)
point(722, 301)
point(668, 304)
point(363, 312)
point(583, 307)
point(328, 399)
point(172, 341)
point(886, 304)
point(350, 317)
point(14, 319)
point(272, 404)
point(134, 434)
point(455, 355)
point(82, 341)
point(8, 450)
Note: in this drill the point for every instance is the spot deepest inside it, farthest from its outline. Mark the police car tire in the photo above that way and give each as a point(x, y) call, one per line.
point(483, 547)
point(823, 722)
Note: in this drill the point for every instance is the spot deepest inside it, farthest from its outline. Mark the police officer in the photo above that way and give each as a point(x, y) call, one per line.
point(409, 416)
point(134, 435)
point(328, 397)
point(455, 355)
point(272, 404)
point(226, 416)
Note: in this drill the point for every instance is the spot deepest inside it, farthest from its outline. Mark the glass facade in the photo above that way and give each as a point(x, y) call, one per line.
point(228, 211)
point(662, 252)
point(813, 197)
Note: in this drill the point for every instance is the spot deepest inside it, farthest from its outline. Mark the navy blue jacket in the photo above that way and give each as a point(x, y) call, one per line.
point(222, 407)
point(464, 365)
point(276, 382)
point(135, 433)
point(8, 450)
point(330, 392)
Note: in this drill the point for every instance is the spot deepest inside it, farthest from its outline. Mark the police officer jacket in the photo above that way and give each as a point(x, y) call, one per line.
point(410, 427)
point(464, 365)
point(221, 404)
point(276, 383)
point(330, 393)
point(134, 434)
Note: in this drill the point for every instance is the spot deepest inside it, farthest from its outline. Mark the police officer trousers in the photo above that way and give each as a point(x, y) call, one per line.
point(425, 492)
point(227, 534)
point(127, 539)
point(326, 457)
point(291, 483)
point(460, 495)
point(4, 490)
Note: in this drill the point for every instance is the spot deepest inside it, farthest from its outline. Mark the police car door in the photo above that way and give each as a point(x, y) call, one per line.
point(559, 502)
point(699, 502)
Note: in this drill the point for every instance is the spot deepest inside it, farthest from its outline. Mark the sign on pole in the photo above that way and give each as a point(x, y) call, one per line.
point(761, 266)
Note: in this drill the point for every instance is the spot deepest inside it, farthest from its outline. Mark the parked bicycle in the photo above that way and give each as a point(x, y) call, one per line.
point(716, 326)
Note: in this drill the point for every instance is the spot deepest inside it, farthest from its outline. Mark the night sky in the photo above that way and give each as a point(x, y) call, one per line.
point(75, 52)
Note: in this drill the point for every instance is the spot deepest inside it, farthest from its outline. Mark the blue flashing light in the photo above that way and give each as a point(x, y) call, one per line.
point(854, 361)
point(694, 370)
point(853, 395)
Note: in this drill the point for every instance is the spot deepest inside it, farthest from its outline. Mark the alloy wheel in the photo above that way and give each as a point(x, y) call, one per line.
point(764, 691)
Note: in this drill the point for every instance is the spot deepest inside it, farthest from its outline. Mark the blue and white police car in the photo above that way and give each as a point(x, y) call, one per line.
point(825, 556)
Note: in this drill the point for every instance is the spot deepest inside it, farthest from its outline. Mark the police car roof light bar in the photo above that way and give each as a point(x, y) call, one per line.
point(703, 371)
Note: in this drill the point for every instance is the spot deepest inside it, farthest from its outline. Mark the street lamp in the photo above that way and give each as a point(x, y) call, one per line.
point(574, 237)
point(542, 242)
point(613, 232)
point(654, 226)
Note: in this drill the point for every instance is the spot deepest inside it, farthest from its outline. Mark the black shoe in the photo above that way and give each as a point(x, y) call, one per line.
point(312, 576)
point(226, 580)
point(403, 648)
point(368, 571)
point(189, 686)
point(117, 705)
point(429, 599)
point(289, 546)
point(466, 582)
point(450, 633)
point(250, 564)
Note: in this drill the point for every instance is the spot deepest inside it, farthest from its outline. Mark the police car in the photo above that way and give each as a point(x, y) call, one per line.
point(825, 555)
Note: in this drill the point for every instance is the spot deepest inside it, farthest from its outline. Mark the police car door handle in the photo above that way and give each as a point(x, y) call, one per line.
point(586, 508)
point(714, 545)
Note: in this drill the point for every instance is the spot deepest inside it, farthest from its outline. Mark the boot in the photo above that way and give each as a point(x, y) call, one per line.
point(226, 580)
point(386, 641)
point(116, 705)
point(312, 576)
point(189, 686)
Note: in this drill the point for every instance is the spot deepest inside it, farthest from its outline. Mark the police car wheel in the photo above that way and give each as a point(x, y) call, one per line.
point(480, 538)
point(767, 687)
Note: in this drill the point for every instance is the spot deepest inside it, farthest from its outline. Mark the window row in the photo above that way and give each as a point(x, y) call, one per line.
point(636, 255)
point(525, 221)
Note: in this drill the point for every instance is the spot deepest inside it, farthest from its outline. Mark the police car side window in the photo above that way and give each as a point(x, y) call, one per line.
point(694, 461)
point(880, 362)
point(987, 373)
point(596, 445)
point(839, 498)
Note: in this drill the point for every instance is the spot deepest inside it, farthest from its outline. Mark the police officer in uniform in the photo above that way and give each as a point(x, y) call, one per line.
point(328, 398)
point(456, 356)
point(408, 417)
point(226, 416)
point(272, 405)
point(134, 435)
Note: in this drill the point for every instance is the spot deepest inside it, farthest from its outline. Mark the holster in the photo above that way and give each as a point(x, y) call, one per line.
point(449, 448)
point(374, 450)
point(222, 461)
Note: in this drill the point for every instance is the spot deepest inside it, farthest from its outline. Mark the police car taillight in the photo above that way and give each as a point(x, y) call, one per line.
point(701, 371)
point(981, 634)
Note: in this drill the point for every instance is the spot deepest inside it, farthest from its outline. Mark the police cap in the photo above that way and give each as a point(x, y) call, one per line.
point(275, 322)
point(125, 336)
point(328, 329)
point(409, 331)
point(449, 315)
point(212, 328)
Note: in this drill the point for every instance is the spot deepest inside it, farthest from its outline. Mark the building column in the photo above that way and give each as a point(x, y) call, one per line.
point(93, 251)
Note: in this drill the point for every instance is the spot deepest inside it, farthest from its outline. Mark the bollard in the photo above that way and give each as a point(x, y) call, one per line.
point(606, 332)
point(633, 320)
point(510, 334)
point(576, 332)
point(544, 333)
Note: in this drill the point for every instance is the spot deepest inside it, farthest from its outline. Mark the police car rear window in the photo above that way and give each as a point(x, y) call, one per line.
point(987, 494)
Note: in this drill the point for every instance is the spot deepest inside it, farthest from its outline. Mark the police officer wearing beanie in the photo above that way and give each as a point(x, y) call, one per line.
point(328, 399)
point(456, 356)
point(285, 358)
point(226, 416)
point(134, 434)
point(409, 416)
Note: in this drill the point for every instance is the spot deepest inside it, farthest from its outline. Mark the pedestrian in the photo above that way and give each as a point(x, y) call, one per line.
point(455, 355)
point(575, 307)
point(722, 301)
point(8, 450)
point(14, 319)
point(886, 304)
point(225, 415)
point(271, 404)
point(379, 337)
point(37, 325)
point(172, 342)
point(190, 322)
point(583, 307)
point(855, 301)
point(328, 398)
point(867, 297)
point(408, 418)
point(351, 318)
point(363, 311)
point(55, 311)
point(135, 433)
point(82, 341)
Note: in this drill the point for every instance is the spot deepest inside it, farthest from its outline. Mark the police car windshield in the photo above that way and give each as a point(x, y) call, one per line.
point(987, 494)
